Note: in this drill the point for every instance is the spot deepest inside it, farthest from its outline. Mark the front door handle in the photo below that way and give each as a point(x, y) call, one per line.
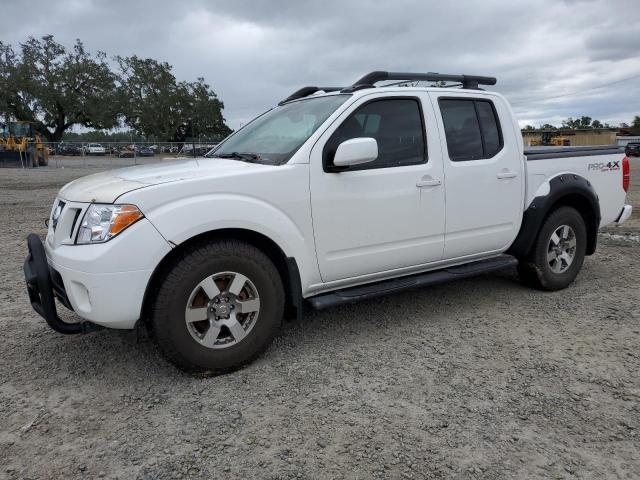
point(431, 182)
point(506, 174)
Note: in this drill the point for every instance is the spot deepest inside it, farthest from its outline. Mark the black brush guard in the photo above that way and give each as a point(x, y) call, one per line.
point(44, 286)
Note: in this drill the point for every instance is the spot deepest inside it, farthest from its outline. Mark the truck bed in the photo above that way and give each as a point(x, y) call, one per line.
point(544, 153)
point(601, 165)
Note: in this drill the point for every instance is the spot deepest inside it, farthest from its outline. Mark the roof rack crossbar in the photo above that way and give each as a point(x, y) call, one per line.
point(370, 79)
point(306, 91)
point(468, 81)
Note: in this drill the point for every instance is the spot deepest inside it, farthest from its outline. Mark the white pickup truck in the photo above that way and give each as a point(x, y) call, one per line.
point(333, 196)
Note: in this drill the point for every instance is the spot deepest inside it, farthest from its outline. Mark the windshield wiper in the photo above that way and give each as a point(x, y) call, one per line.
point(247, 157)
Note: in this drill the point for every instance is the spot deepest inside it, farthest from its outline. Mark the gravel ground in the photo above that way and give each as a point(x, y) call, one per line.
point(483, 378)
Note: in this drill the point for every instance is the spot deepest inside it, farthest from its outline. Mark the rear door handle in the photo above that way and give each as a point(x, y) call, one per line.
point(432, 182)
point(506, 174)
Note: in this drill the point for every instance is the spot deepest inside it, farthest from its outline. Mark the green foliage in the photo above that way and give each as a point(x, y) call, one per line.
point(205, 113)
point(149, 97)
point(155, 104)
point(59, 88)
point(583, 122)
point(103, 137)
point(574, 124)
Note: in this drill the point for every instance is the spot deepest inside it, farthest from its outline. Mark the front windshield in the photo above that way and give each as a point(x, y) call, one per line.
point(275, 136)
point(22, 130)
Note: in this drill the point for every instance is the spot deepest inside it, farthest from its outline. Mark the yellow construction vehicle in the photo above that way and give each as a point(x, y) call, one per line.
point(551, 139)
point(560, 141)
point(21, 145)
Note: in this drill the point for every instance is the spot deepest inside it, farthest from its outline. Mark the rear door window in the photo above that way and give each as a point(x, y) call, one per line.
point(490, 129)
point(471, 128)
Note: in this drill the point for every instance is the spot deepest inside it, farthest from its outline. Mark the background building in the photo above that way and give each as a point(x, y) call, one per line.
point(570, 137)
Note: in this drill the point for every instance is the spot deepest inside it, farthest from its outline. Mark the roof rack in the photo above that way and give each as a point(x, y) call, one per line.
point(370, 79)
point(468, 81)
point(306, 91)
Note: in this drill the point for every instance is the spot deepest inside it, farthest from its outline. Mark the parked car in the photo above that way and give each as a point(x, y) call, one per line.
point(126, 152)
point(408, 187)
point(94, 149)
point(632, 149)
point(145, 152)
point(69, 149)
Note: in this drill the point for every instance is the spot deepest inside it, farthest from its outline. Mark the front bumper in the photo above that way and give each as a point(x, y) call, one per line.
point(44, 287)
point(104, 283)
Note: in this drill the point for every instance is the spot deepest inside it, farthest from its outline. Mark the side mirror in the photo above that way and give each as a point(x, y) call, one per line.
point(356, 151)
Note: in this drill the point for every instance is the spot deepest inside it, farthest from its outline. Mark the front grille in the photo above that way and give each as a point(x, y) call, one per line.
point(75, 220)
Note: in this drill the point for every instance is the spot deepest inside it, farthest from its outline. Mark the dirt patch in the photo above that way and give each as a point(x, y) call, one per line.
point(483, 378)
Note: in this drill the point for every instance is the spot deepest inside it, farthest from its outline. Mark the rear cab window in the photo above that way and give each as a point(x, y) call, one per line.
point(472, 128)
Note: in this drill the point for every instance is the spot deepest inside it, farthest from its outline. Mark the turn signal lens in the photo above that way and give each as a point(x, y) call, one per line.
point(626, 173)
point(128, 215)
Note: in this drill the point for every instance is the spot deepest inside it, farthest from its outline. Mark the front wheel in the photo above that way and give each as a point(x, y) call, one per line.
point(219, 307)
point(558, 252)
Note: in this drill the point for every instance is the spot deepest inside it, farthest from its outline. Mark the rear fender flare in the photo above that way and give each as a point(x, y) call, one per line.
point(563, 189)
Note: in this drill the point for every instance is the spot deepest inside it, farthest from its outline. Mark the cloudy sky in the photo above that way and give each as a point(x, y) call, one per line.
point(553, 59)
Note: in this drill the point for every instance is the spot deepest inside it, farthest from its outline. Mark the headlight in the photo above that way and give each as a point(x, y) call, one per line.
point(103, 222)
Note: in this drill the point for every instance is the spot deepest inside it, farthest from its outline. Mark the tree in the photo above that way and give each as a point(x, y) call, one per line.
point(7, 72)
point(203, 111)
point(635, 125)
point(154, 104)
point(102, 136)
point(528, 128)
point(548, 126)
point(149, 97)
point(583, 122)
point(57, 88)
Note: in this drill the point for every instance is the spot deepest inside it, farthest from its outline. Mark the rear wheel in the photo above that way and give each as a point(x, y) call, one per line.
point(558, 252)
point(219, 307)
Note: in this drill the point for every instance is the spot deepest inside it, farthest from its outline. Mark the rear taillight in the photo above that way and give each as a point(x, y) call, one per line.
point(626, 173)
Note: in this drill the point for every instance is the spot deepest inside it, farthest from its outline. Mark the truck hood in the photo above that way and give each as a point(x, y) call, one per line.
point(106, 187)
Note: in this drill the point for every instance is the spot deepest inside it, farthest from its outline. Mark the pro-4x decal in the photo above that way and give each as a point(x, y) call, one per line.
point(605, 167)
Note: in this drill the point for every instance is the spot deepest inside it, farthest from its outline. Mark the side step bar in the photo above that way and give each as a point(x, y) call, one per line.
point(373, 290)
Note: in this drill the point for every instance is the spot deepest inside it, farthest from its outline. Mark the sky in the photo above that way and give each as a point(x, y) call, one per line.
point(553, 58)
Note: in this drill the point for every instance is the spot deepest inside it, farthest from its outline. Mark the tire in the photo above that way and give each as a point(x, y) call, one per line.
point(540, 269)
point(210, 346)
